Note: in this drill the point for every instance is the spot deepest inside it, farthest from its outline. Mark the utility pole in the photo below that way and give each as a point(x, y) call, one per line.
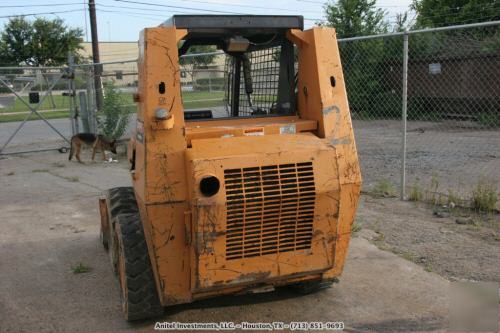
point(95, 55)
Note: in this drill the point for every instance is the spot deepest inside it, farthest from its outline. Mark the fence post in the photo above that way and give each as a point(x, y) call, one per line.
point(403, 116)
point(73, 107)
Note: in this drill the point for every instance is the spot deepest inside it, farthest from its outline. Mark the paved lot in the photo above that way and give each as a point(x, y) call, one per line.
point(50, 222)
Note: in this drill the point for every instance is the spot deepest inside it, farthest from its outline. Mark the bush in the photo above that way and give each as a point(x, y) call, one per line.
point(114, 117)
point(489, 119)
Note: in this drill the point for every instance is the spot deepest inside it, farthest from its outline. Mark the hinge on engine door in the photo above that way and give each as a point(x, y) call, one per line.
point(187, 228)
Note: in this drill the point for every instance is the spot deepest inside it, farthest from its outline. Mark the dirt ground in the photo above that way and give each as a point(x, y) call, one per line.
point(433, 238)
point(50, 223)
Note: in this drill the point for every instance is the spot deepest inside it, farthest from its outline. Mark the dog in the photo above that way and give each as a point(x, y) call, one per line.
point(98, 142)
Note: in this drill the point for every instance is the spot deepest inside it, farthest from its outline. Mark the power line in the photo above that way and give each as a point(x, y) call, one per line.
point(136, 8)
point(178, 7)
point(197, 9)
point(242, 5)
point(47, 13)
point(172, 11)
point(132, 14)
point(43, 5)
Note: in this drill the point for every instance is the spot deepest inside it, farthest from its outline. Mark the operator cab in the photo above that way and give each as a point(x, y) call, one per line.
point(250, 60)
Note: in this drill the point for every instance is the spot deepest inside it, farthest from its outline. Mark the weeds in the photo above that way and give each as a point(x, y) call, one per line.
point(484, 196)
point(454, 199)
point(379, 238)
point(80, 268)
point(72, 179)
point(434, 189)
point(408, 256)
point(416, 193)
point(40, 170)
point(489, 119)
point(383, 189)
point(356, 228)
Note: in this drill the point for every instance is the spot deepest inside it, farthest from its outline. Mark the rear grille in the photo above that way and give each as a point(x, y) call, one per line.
point(270, 209)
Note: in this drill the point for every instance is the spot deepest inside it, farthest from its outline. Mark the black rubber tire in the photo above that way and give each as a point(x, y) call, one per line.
point(138, 289)
point(309, 287)
point(119, 200)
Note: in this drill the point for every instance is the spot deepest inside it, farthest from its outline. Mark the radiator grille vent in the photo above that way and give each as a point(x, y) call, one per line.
point(270, 209)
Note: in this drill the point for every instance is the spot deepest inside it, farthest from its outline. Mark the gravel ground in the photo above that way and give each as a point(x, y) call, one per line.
point(50, 223)
point(454, 154)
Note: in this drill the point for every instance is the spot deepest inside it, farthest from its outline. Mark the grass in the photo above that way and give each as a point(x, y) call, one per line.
point(40, 170)
point(408, 256)
point(59, 101)
point(73, 179)
point(434, 189)
point(356, 228)
point(191, 99)
point(80, 268)
point(454, 198)
point(416, 193)
point(484, 196)
point(383, 189)
point(21, 116)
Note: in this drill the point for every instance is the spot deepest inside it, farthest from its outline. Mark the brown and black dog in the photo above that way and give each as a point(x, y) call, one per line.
point(98, 142)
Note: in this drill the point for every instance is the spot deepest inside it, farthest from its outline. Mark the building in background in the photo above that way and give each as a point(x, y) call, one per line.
point(124, 74)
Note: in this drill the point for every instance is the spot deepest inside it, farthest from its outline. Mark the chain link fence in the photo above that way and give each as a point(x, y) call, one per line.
point(427, 117)
point(425, 104)
point(33, 93)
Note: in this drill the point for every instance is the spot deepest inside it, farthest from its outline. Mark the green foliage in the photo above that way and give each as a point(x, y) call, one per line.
point(454, 199)
point(80, 268)
point(489, 119)
point(355, 18)
point(401, 22)
point(431, 13)
point(366, 62)
point(199, 61)
point(384, 189)
point(41, 42)
point(114, 117)
point(484, 196)
point(416, 192)
point(205, 84)
point(356, 228)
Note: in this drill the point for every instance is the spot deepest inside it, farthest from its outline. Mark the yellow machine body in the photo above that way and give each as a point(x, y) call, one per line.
point(288, 186)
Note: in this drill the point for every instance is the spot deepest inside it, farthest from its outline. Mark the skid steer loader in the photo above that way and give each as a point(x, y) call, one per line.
point(258, 193)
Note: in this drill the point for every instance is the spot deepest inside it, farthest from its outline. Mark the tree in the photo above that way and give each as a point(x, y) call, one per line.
point(192, 64)
point(443, 13)
point(355, 18)
point(401, 23)
point(365, 62)
point(41, 42)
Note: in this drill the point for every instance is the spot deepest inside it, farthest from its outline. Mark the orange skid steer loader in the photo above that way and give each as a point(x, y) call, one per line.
point(255, 193)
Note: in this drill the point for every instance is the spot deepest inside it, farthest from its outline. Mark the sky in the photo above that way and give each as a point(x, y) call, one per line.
point(121, 20)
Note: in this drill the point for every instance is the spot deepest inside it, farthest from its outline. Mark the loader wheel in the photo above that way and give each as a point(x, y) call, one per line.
point(119, 200)
point(310, 287)
point(138, 289)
